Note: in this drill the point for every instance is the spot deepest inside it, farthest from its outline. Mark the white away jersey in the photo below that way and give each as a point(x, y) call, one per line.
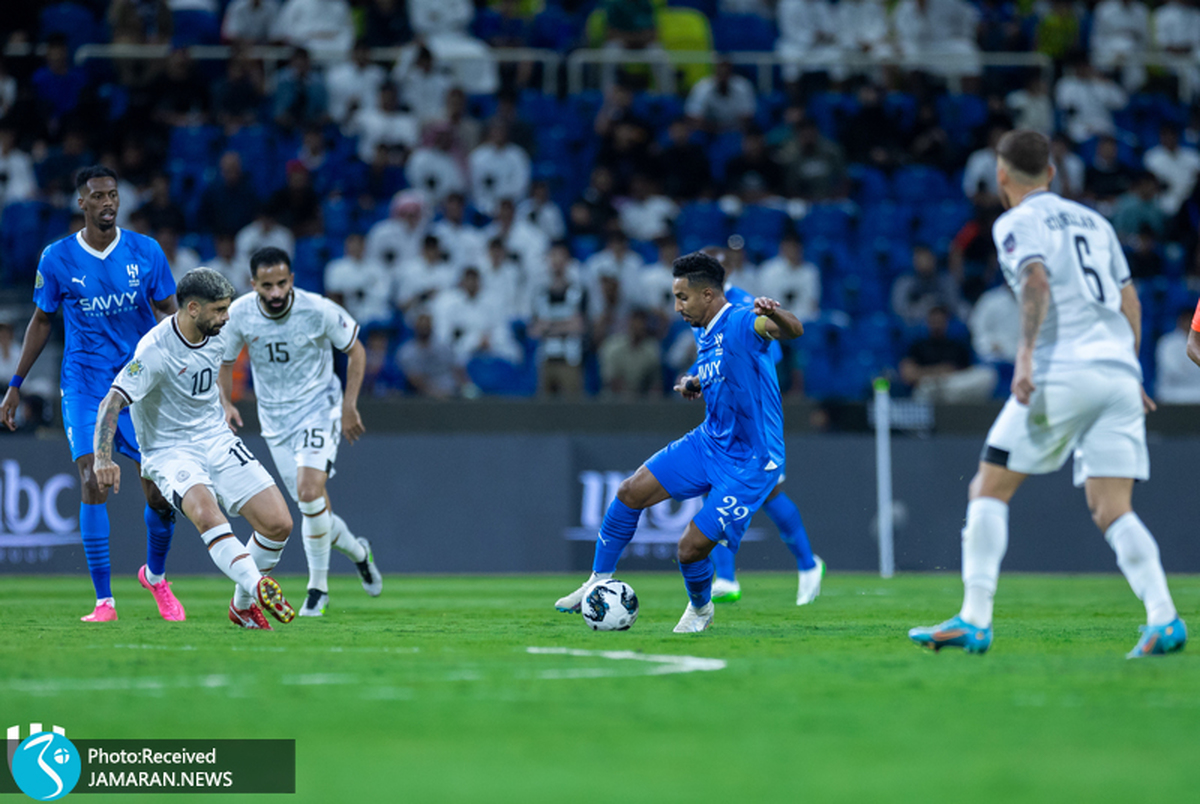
point(1086, 269)
point(172, 386)
point(290, 355)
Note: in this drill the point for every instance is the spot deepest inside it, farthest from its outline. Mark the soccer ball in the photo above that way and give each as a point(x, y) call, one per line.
point(610, 605)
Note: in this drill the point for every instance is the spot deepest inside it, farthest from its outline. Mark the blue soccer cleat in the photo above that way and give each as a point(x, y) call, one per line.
point(954, 633)
point(1159, 639)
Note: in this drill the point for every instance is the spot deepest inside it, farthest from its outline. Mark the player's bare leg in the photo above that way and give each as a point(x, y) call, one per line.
point(1110, 499)
point(234, 559)
point(636, 492)
point(984, 542)
point(94, 528)
point(268, 514)
point(697, 571)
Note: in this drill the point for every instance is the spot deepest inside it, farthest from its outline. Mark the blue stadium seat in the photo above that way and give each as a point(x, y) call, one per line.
point(871, 184)
point(829, 219)
point(584, 246)
point(194, 144)
point(26, 227)
point(724, 146)
point(700, 224)
point(338, 215)
point(762, 228)
point(920, 184)
point(73, 21)
point(739, 32)
point(827, 108)
point(855, 294)
point(940, 221)
point(888, 219)
point(256, 145)
point(961, 116)
point(312, 255)
point(195, 27)
point(495, 376)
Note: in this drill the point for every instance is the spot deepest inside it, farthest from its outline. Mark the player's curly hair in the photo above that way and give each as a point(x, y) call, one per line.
point(204, 285)
point(699, 269)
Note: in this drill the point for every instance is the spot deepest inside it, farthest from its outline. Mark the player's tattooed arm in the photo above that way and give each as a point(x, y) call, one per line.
point(775, 322)
point(107, 472)
point(1035, 301)
point(356, 368)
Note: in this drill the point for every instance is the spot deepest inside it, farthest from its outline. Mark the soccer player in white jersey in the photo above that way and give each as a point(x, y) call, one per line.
point(291, 334)
point(188, 450)
point(1077, 388)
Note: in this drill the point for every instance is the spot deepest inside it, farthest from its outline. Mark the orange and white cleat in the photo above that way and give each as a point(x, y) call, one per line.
point(249, 618)
point(271, 598)
point(105, 613)
point(168, 605)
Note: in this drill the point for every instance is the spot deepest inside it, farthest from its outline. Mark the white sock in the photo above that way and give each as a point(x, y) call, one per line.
point(1138, 558)
point(266, 552)
point(152, 578)
point(315, 529)
point(346, 542)
point(100, 601)
point(984, 542)
point(599, 576)
point(233, 559)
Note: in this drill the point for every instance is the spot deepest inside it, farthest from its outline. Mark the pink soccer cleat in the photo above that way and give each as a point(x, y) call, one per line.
point(168, 605)
point(249, 618)
point(104, 613)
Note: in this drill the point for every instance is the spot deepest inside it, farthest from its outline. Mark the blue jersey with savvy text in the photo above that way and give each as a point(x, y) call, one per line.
point(743, 420)
point(105, 299)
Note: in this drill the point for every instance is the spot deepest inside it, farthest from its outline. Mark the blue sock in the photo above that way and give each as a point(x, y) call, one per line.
point(93, 526)
point(697, 577)
point(722, 559)
point(786, 516)
point(160, 527)
point(620, 523)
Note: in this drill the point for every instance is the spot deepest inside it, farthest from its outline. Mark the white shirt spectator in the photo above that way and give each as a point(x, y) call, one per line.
point(725, 111)
point(626, 267)
point(463, 244)
point(183, 260)
point(861, 26)
point(796, 286)
point(442, 24)
point(435, 173)
point(1178, 378)
point(351, 85)
point(422, 91)
point(498, 172)
point(1088, 103)
point(1069, 176)
point(807, 28)
point(255, 235)
point(17, 179)
point(940, 28)
point(1177, 169)
point(545, 215)
point(995, 324)
point(365, 286)
point(1031, 110)
point(249, 20)
point(648, 219)
point(238, 274)
point(209, 6)
point(323, 27)
point(527, 243)
point(1120, 33)
point(429, 17)
point(656, 289)
point(472, 325)
point(376, 126)
point(504, 287)
point(419, 281)
point(1177, 28)
point(980, 169)
point(392, 241)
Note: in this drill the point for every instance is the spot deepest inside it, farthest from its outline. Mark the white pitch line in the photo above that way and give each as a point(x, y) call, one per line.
point(666, 663)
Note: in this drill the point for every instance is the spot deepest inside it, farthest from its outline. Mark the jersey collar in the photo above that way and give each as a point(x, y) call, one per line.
point(716, 318)
point(186, 342)
point(278, 316)
point(100, 255)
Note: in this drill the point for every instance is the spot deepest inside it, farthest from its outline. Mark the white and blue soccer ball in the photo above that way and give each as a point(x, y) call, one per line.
point(610, 605)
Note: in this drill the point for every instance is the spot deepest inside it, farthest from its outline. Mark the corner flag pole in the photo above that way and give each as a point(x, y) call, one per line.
point(883, 476)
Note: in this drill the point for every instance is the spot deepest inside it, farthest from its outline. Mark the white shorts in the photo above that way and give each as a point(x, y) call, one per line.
point(312, 443)
point(1094, 413)
point(223, 464)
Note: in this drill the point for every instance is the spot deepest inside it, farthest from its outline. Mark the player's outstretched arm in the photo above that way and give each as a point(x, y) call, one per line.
point(1035, 301)
point(774, 322)
point(688, 386)
point(36, 335)
point(107, 471)
point(1131, 308)
point(356, 369)
point(225, 383)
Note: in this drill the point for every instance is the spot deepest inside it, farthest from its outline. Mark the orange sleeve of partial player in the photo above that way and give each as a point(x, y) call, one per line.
point(1196, 319)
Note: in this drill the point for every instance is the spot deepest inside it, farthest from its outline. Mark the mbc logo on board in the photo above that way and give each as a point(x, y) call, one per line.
point(31, 519)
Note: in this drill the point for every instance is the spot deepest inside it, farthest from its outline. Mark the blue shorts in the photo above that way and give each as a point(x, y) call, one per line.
point(79, 418)
point(689, 468)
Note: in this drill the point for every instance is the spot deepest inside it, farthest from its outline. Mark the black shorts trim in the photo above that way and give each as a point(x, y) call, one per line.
point(994, 455)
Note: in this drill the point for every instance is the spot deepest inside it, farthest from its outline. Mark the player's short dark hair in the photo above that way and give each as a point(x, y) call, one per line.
point(269, 255)
point(203, 285)
point(84, 175)
point(1026, 151)
point(699, 269)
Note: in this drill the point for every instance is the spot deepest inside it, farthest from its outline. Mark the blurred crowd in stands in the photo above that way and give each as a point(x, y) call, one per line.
point(492, 238)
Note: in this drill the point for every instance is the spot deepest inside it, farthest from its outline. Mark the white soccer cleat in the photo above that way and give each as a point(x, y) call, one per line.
point(315, 603)
point(572, 603)
point(810, 583)
point(724, 591)
point(695, 620)
point(372, 581)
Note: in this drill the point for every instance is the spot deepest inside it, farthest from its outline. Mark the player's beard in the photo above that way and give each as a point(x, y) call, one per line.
point(209, 328)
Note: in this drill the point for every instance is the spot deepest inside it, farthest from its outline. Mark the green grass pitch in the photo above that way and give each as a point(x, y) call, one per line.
point(431, 693)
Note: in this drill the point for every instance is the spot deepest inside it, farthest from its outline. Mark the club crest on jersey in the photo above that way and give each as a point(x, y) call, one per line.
point(1010, 244)
point(133, 270)
point(38, 280)
point(135, 368)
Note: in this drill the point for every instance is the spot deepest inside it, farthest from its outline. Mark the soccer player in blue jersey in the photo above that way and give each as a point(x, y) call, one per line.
point(782, 511)
point(735, 456)
point(113, 286)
